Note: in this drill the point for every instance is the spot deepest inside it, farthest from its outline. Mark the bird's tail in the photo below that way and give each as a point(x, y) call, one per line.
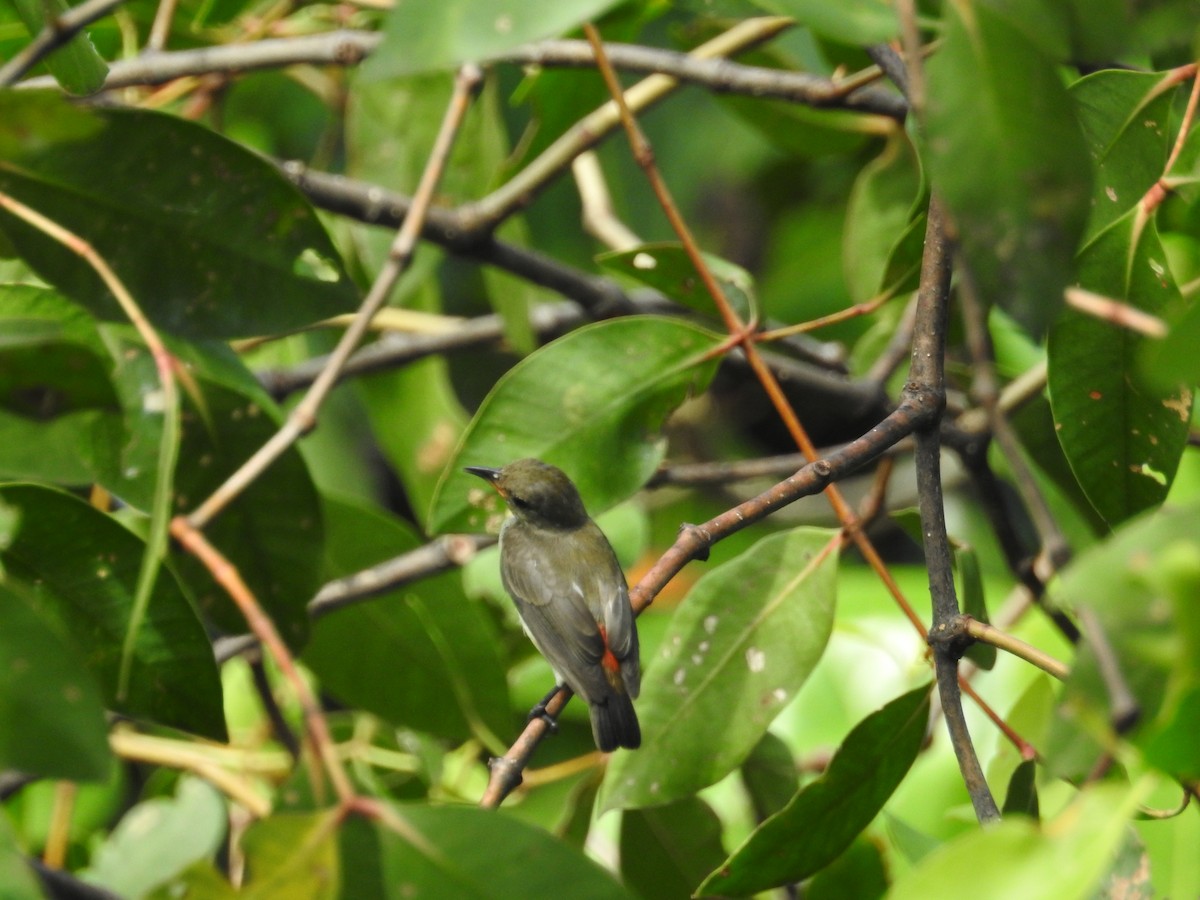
point(615, 724)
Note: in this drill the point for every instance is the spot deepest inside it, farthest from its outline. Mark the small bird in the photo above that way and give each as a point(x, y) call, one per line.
point(571, 595)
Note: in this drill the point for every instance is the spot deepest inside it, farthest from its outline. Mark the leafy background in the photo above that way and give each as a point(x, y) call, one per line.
point(791, 733)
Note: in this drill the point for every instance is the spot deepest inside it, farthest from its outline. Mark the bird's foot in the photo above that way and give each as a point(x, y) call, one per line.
point(539, 712)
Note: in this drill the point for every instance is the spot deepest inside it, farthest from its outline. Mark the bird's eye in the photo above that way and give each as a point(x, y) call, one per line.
point(519, 501)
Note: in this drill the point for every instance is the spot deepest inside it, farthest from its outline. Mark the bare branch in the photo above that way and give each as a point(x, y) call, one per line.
point(53, 35)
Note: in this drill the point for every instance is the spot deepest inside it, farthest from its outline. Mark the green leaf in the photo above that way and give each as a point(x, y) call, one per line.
point(1005, 153)
point(878, 216)
point(853, 22)
point(726, 670)
point(82, 568)
point(159, 838)
point(592, 402)
point(769, 774)
point(469, 853)
point(1022, 796)
point(1015, 858)
point(421, 37)
point(192, 223)
point(860, 872)
point(1125, 120)
point(826, 816)
point(76, 65)
point(293, 856)
point(423, 656)
point(667, 267)
point(1122, 438)
point(15, 872)
point(51, 712)
point(974, 603)
point(667, 850)
point(1141, 585)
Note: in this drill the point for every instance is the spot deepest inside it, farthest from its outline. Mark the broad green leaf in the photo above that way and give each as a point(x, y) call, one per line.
point(667, 850)
point(825, 817)
point(1122, 438)
point(193, 224)
point(421, 37)
point(1068, 857)
point(82, 568)
point(1022, 796)
point(878, 215)
point(726, 669)
point(853, 22)
point(51, 712)
point(422, 656)
point(974, 602)
point(159, 838)
point(591, 402)
point(1005, 153)
point(1125, 118)
point(1141, 585)
point(293, 856)
point(16, 874)
point(76, 65)
point(468, 853)
point(666, 266)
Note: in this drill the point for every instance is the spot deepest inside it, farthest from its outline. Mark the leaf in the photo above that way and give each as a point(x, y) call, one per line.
point(592, 401)
point(860, 872)
point(997, 106)
point(1022, 796)
point(769, 774)
point(51, 712)
point(726, 670)
point(293, 856)
point(1125, 121)
point(158, 839)
point(469, 853)
point(853, 22)
point(420, 37)
point(1014, 858)
point(667, 850)
point(75, 65)
point(422, 656)
point(82, 568)
point(667, 267)
point(974, 603)
point(1122, 438)
point(16, 874)
point(191, 223)
point(1141, 585)
point(831, 812)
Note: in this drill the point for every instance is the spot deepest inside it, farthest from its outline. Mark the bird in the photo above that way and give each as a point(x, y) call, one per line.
point(571, 595)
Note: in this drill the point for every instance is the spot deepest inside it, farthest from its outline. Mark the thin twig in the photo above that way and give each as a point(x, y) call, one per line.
point(1002, 640)
point(56, 32)
point(304, 416)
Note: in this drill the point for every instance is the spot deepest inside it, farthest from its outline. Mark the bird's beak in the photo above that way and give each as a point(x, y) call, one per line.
point(489, 475)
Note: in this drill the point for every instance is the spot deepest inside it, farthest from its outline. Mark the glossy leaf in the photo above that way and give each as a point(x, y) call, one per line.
point(1125, 120)
point(726, 670)
point(76, 65)
point(191, 240)
point(1141, 585)
point(423, 656)
point(51, 712)
point(82, 568)
point(825, 817)
point(666, 266)
point(1014, 858)
point(1005, 153)
point(421, 37)
point(591, 402)
point(461, 851)
point(667, 850)
point(1122, 438)
point(159, 838)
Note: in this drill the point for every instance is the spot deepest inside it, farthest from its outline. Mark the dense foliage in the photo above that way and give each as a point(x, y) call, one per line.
point(947, 251)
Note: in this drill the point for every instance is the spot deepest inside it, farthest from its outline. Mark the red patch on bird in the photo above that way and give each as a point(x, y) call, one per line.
point(608, 660)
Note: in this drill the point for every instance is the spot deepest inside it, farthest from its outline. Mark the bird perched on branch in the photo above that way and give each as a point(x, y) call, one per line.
point(571, 595)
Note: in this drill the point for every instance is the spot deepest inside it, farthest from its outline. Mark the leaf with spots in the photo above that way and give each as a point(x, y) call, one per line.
point(1122, 437)
point(592, 402)
point(208, 237)
point(735, 654)
point(82, 569)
